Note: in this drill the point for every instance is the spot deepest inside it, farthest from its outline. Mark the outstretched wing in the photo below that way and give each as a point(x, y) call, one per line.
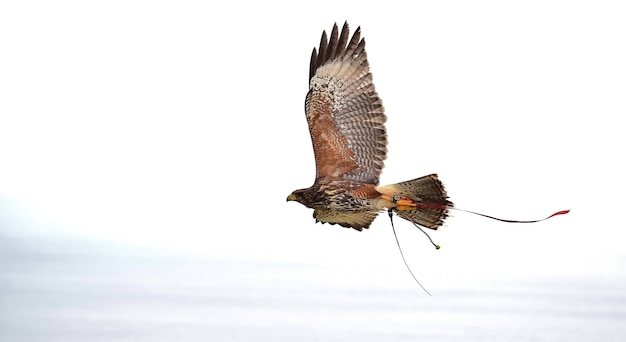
point(345, 115)
point(357, 220)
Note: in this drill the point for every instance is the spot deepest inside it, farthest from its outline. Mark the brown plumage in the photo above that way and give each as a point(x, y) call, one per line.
point(346, 120)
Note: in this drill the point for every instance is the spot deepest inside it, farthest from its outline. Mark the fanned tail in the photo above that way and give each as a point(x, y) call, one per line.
point(423, 200)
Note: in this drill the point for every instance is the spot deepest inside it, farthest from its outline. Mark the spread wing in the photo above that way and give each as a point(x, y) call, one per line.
point(357, 220)
point(345, 115)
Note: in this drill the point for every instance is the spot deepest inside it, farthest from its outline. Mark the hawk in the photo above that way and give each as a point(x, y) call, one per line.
point(346, 121)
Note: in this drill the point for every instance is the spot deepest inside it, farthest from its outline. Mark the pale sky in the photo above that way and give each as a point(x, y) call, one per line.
point(181, 126)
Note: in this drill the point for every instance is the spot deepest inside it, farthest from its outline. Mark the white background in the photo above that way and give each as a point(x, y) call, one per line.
point(179, 126)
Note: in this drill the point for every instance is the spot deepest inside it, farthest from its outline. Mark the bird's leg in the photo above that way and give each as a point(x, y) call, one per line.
point(401, 202)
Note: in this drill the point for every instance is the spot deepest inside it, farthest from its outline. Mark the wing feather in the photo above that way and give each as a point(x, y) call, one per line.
point(357, 220)
point(345, 115)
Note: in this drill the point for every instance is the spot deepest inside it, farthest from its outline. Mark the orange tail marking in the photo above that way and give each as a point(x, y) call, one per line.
point(403, 203)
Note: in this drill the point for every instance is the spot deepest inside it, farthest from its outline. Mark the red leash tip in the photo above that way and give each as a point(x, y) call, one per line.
point(562, 212)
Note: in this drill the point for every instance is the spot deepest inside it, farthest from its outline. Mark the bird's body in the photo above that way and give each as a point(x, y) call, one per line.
point(346, 122)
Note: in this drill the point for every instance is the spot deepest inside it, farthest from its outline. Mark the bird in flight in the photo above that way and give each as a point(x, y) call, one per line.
point(346, 121)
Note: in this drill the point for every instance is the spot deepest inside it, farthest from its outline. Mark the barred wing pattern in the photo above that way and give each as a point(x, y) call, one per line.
point(345, 115)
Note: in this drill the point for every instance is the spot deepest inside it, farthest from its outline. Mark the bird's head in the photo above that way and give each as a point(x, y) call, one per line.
point(296, 196)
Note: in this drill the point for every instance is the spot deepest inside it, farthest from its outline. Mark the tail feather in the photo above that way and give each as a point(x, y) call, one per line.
point(427, 191)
